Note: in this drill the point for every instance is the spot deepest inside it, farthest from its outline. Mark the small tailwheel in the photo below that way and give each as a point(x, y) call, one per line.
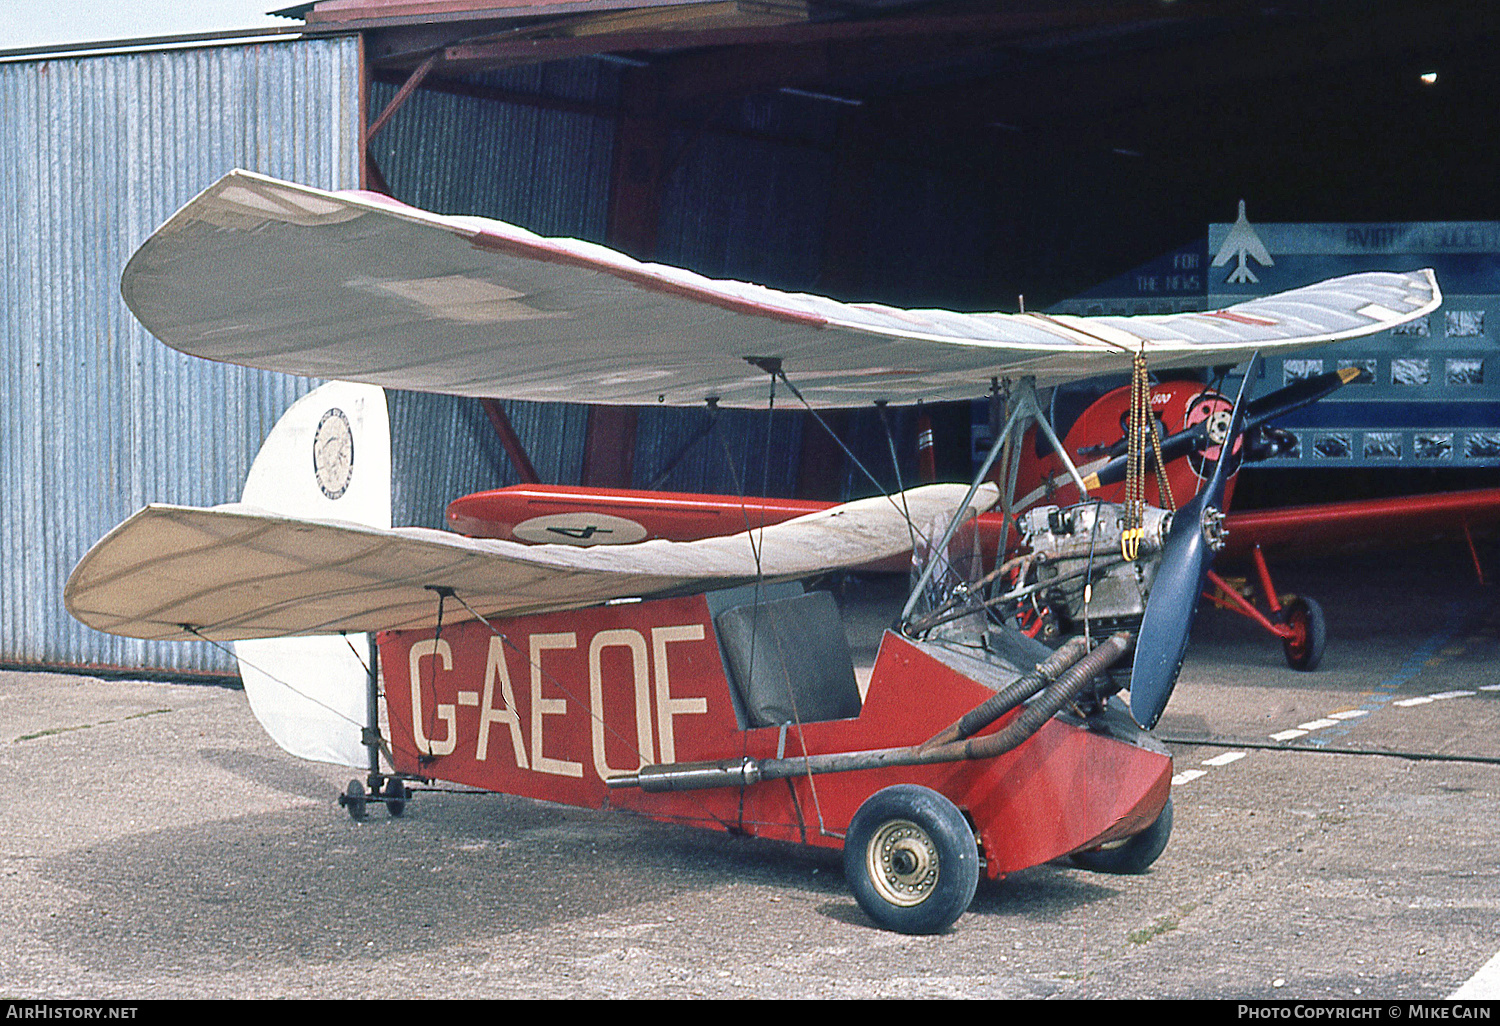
point(911, 859)
point(1134, 854)
point(353, 800)
point(1304, 649)
point(395, 794)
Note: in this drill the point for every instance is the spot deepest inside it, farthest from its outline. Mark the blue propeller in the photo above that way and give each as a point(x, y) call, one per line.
point(1195, 538)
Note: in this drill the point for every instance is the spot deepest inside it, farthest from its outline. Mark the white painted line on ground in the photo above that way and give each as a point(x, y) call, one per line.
point(1186, 775)
point(1489, 687)
point(1317, 724)
point(1225, 759)
point(1407, 703)
point(1349, 714)
point(1287, 735)
point(1483, 985)
point(1449, 694)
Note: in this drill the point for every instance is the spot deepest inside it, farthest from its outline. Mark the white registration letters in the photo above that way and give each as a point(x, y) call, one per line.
point(651, 689)
point(496, 669)
point(445, 710)
point(632, 640)
point(548, 706)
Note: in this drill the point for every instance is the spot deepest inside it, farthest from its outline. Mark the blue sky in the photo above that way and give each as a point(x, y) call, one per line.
point(76, 21)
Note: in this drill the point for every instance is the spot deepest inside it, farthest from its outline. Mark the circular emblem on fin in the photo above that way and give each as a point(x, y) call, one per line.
point(333, 453)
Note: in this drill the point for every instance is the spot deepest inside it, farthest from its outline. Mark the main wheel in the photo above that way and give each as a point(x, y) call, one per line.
point(395, 793)
point(1134, 854)
point(1304, 649)
point(911, 859)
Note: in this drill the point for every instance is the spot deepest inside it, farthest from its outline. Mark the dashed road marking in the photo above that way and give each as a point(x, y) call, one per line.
point(1431, 653)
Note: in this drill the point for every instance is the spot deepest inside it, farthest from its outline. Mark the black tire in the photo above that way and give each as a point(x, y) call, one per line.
point(395, 794)
point(1133, 855)
point(911, 859)
point(353, 800)
point(1304, 651)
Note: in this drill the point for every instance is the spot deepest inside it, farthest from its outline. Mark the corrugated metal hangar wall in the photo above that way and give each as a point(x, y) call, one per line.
point(98, 419)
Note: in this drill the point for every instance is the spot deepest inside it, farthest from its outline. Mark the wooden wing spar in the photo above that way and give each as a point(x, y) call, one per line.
point(235, 572)
point(358, 287)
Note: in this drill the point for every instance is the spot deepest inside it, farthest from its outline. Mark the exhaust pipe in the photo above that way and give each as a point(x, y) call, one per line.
point(949, 745)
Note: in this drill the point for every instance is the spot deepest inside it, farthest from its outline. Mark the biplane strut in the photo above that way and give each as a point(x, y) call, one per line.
point(1025, 408)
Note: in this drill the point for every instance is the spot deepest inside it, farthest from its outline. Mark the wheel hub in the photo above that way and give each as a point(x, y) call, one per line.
point(903, 863)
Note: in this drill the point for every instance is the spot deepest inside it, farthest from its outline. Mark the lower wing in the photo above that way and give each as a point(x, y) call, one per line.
point(1343, 526)
point(235, 572)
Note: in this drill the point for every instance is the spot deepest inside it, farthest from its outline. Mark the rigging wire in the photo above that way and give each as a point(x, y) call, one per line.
point(778, 372)
point(890, 441)
point(195, 632)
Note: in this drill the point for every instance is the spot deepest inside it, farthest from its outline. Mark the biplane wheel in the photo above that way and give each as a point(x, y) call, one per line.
point(1304, 649)
point(395, 793)
point(1134, 854)
point(911, 859)
point(353, 800)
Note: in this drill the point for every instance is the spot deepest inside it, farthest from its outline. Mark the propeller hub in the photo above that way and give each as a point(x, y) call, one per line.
point(1217, 425)
point(1214, 531)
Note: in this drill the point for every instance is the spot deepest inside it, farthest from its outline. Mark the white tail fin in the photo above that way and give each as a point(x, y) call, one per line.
point(328, 457)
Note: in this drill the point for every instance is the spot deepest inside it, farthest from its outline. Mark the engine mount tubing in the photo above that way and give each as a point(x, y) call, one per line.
point(1003, 701)
point(744, 772)
point(1239, 605)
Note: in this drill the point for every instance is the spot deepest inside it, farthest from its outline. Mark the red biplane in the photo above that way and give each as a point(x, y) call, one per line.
point(691, 681)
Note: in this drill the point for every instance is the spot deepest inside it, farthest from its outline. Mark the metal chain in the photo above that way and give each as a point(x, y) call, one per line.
point(1135, 458)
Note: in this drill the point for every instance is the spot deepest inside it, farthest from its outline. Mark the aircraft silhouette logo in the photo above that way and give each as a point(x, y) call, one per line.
point(1242, 245)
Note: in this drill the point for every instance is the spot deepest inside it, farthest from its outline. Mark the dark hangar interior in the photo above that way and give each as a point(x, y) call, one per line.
point(960, 154)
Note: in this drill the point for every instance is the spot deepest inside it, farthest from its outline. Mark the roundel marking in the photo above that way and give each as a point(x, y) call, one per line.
point(333, 453)
point(579, 529)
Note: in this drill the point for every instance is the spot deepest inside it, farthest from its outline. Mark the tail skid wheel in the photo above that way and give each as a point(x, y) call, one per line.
point(911, 859)
point(1304, 649)
point(353, 800)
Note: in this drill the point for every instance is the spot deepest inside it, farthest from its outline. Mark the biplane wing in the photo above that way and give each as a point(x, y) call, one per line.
point(235, 572)
point(1337, 527)
point(358, 287)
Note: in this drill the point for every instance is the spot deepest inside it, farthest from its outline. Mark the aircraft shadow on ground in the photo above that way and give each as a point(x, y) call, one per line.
point(309, 885)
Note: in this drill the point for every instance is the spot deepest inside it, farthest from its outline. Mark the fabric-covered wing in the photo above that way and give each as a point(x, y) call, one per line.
point(358, 287)
point(235, 572)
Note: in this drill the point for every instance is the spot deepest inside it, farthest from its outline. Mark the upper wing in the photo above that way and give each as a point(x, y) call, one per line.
point(234, 572)
point(358, 287)
point(1331, 528)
